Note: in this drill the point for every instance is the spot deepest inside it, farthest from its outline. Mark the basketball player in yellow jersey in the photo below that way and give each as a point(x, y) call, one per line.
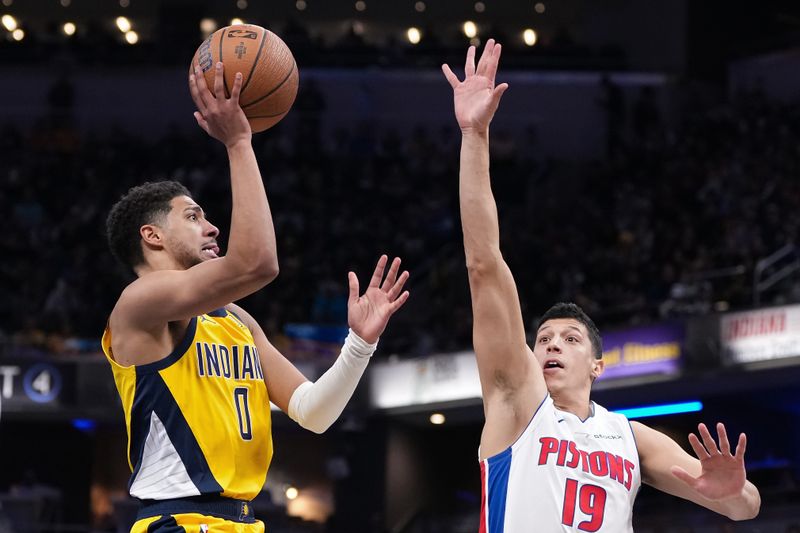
point(195, 372)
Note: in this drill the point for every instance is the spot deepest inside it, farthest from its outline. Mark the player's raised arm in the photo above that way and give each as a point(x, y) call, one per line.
point(175, 292)
point(511, 381)
point(315, 406)
point(715, 479)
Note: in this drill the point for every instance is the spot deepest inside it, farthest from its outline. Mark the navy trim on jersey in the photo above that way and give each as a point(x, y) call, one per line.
point(153, 395)
point(499, 467)
point(173, 357)
point(218, 506)
point(220, 313)
point(165, 524)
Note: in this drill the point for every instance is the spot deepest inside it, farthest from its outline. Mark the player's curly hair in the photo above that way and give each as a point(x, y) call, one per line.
point(571, 310)
point(148, 203)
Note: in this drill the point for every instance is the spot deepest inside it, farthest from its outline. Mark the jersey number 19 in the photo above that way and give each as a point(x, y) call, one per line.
point(591, 501)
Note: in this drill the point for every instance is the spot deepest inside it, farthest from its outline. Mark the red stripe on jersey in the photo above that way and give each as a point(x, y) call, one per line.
point(483, 498)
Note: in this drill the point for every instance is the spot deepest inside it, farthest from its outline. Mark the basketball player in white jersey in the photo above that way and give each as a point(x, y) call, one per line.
point(551, 459)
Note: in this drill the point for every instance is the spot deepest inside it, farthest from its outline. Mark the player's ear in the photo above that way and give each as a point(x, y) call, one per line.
point(598, 366)
point(152, 236)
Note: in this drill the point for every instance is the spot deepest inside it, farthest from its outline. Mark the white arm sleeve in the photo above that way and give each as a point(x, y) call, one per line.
point(315, 406)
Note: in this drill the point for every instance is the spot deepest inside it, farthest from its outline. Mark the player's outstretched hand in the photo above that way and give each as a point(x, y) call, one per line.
point(476, 98)
point(220, 117)
point(368, 314)
point(723, 475)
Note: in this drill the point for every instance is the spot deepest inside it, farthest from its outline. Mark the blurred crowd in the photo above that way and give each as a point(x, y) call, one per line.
point(669, 223)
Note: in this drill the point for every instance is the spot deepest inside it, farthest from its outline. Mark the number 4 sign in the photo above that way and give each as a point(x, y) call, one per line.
point(42, 383)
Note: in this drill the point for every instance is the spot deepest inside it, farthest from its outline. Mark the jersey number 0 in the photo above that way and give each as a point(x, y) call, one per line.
point(243, 412)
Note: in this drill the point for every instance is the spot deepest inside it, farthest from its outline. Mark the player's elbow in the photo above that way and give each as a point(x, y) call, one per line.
point(318, 428)
point(268, 270)
point(262, 267)
point(483, 266)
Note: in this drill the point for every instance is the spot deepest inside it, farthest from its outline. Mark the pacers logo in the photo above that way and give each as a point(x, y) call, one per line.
point(245, 512)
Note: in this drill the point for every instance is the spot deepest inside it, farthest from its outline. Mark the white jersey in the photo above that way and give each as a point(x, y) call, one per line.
point(563, 474)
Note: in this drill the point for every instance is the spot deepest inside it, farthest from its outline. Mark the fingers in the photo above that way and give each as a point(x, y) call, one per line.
point(497, 94)
point(683, 475)
point(722, 437)
point(391, 276)
point(378, 274)
point(469, 66)
point(698, 448)
point(451, 77)
point(486, 58)
point(398, 286)
point(397, 304)
point(237, 87)
point(741, 446)
point(199, 89)
point(219, 81)
point(352, 280)
point(201, 121)
point(708, 440)
point(493, 60)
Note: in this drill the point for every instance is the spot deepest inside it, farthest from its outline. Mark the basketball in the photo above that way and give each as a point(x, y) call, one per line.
point(270, 77)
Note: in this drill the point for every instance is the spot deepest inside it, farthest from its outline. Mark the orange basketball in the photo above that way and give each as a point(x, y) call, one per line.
point(270, 77)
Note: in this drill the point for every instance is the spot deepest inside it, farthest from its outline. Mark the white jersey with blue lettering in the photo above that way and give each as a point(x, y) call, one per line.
point(563, 474)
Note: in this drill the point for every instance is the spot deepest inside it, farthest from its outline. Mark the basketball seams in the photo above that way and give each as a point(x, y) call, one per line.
point(270, 56)
point(255, 61)
point(269, 116)
point(283, 81)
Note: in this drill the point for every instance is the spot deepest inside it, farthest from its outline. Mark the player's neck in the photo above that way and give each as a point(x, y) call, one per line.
point(157, 262)
point(577, 404)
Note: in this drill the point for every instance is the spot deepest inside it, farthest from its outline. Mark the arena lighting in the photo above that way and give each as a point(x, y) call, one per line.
point(470, 29)
point(132, 37)
point(413, 35)
point(420, 7)
point(124, 3)
point(480, 7)
point(236, 20)
point(9, 22)
point(539, 7)
point(18, 34)
point(84, 424)
point(529, 36)
point(123, 24)
point(437, 419)
point(69, 28)
point(208, 26)
point(66, 3)
point(291, 492)
point(661, 410)
point(241, 4)
point(361, 5)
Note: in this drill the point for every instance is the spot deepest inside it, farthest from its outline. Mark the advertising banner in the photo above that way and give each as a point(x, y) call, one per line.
point(760, 335)
point(639, 351)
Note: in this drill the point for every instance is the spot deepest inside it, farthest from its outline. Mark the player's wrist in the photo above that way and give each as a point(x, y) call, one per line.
point(475, 133)
point(239, 144)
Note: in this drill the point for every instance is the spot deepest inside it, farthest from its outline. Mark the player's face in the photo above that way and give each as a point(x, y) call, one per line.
point(564, 350)
point(190, 238)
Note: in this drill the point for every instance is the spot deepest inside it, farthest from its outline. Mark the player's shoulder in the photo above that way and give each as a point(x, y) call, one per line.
point(241, 315)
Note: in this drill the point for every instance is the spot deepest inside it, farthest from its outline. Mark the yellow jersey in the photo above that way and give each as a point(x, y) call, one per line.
point(198, 421)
